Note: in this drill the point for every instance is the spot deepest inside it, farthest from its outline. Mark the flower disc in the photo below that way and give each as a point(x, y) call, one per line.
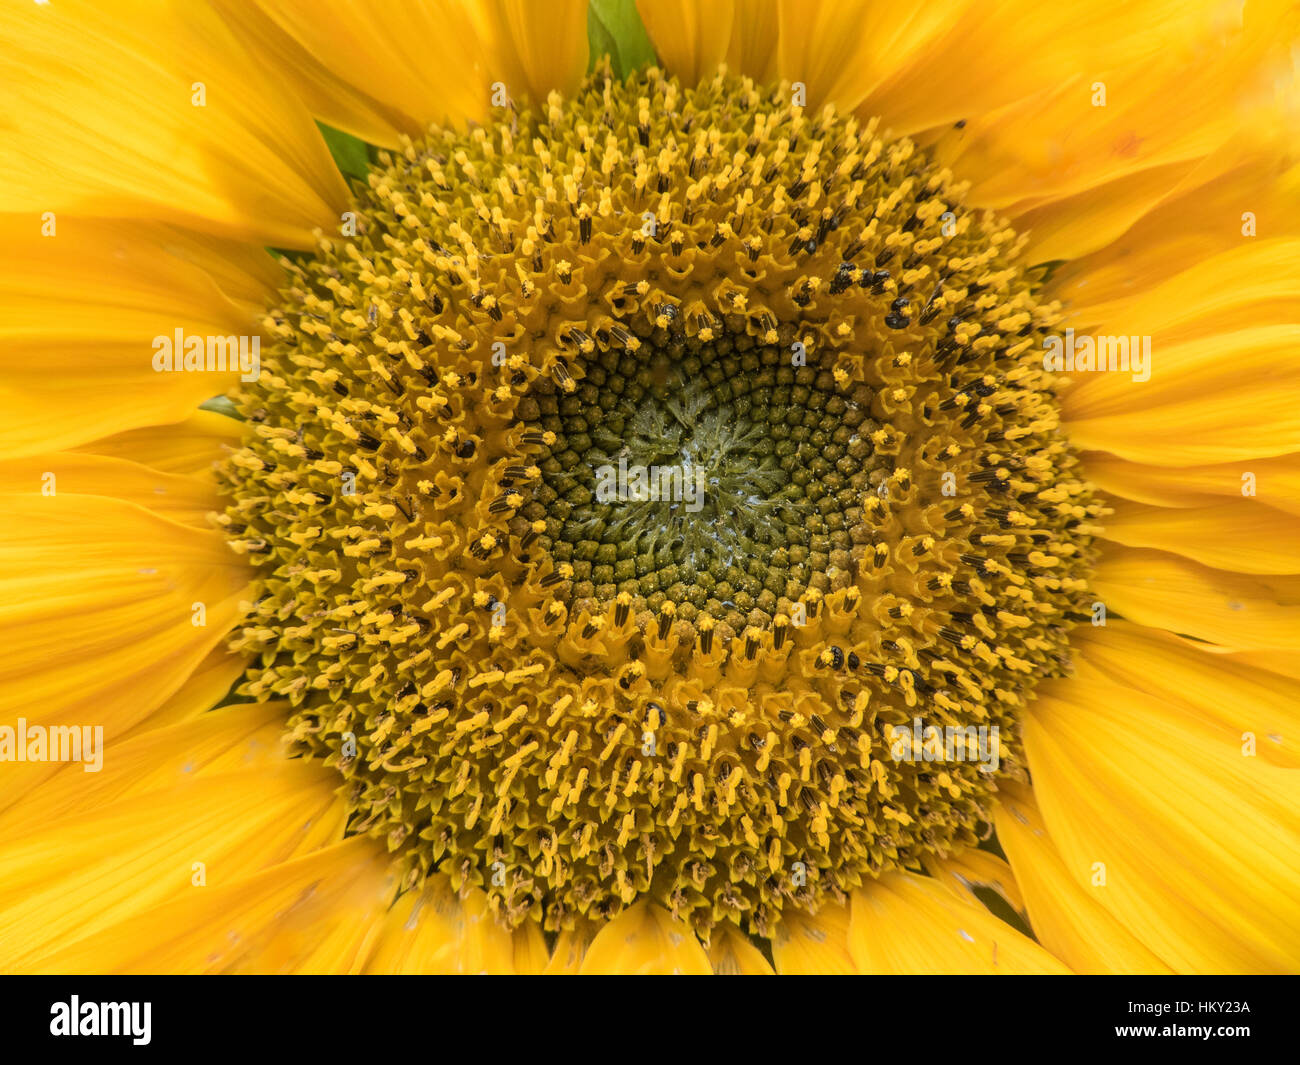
point(539, 675)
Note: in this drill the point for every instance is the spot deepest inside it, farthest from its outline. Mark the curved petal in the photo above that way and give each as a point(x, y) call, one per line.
point(753, 47)
point(1208, 400)
point(151, 110)
point(569, 950)
point(1238, 696)
point(1093, 218)
point(1192, 846)
point(314, 914)
point(437, 930)
point(1274, 481)
point(1251, 285)
point(1283, 663)
point(65, 880)
point(907, 924)
point(845, 52)
point(1170, 593)
point(814, 944)
point(544, 45)
point(531, 956)
point(1067, 919)
point(1163, 107)
point(645, 939)
point(731, 954)
point(692, 39)
point(101, 629)
point(186, 500)
point(211, 680)
point(424, 61)
point(1242, 536)
point(209, 683)
point(188, 447)
point(341, 97)
point(972, 868)
point(421, 62)
point(233, 737)
point(1191, 226)
point(84, 314)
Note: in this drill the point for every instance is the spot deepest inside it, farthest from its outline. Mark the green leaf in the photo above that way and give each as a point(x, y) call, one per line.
point(615, 29)
point(601, 42)
point(292, 255)
point(221, 405)
point(350, 153)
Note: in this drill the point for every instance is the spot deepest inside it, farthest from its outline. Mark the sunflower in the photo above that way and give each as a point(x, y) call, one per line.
point(692, 487)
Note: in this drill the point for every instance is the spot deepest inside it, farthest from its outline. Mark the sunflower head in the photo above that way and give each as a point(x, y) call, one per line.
point(576, 696)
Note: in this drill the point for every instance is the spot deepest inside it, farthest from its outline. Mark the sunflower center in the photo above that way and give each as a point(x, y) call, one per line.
point(659, 495)
point(719, 473)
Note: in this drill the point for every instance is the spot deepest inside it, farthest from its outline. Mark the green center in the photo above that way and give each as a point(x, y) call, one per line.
point(721, 474)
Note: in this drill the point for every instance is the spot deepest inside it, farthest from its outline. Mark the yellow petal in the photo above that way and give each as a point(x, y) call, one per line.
point(150, 110)
point(1255, 284)
point(421, 62)
point(545, 43)
point(200, 692)
point(1275, 481)
point(1191, 226)
point(1242, 535)
point(435, 930)
point(1283, 663)
point(233, 737)
point(311, 914)
point(81, 318)
point(278, 35)
point(1166, 592)
point(247, 274)
point(98, 604)
point(188, 447)
point(1132, 221)
point(1219, 689)
point(731, 954)
point(569, 950)
point(972, 868)
point(645, 939)
point(1067, 918)
point(1198, 431)
point(203, 689)
point(1158, 112)
point(1089, 220)
point(907, 924)
point(1199, 846)
point(1032, 51)
point(845, 51)
point(530, 954)
point(1210, 400)
point(184, 499)
point(692, 39)
point(64, 880)
point(814, 944)
point(753, 45)
point(329, 929)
